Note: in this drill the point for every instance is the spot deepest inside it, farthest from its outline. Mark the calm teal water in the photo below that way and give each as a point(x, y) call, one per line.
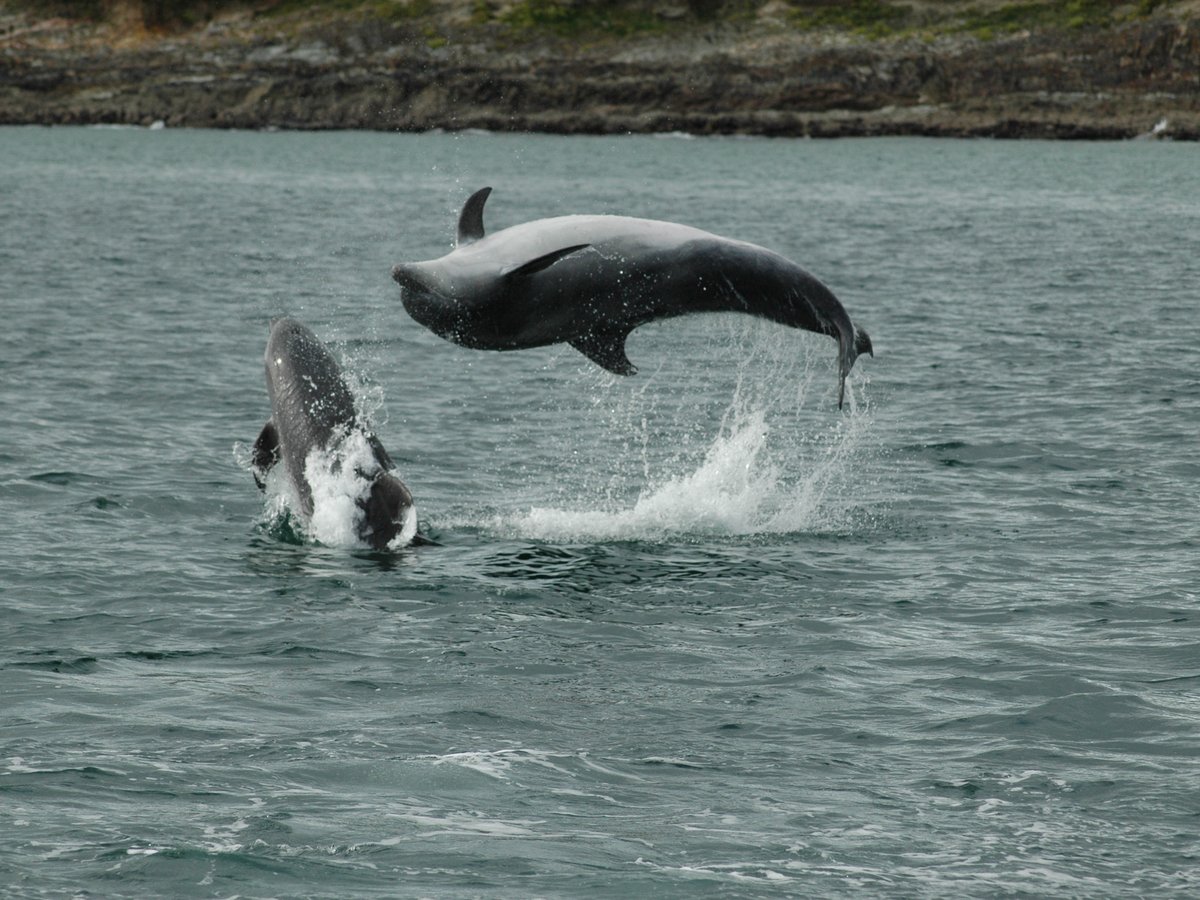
point(694, 633)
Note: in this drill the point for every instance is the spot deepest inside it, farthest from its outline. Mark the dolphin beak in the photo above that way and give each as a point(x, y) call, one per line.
point(407, 277)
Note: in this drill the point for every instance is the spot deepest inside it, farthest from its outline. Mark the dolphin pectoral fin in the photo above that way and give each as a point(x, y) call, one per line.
point(265, 454)
point(606, 349)
point(470, 220)
point(542, 262)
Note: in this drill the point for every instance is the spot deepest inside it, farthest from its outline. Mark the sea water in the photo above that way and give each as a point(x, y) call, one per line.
point(691, 633)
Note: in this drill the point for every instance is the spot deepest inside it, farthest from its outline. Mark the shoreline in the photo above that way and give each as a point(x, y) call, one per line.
point(1014, 133)
point(1140, 79)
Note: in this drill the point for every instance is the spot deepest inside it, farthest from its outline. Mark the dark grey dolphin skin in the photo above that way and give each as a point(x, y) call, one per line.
point(312, 407)
point(590, 280)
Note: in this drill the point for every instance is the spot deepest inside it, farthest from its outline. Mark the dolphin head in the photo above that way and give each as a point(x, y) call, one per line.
point(387, 512)
point(454, 306)
point(429, 298)
point(417, 279)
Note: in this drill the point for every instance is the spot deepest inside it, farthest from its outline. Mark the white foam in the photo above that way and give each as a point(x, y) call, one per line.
point(493, 763)
point(339, 478)
point(722, 495)
point(338, 486)
point(407, 532)
point(740, 436)
point(747, 872)
point(464, 823)
point(498, 763)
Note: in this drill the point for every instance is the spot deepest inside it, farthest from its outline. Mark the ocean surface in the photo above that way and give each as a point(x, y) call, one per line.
point(694, 633)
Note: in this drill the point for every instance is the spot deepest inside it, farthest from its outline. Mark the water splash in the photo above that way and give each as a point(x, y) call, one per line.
point(773, 466)
point(339, 484)
point(340, 478)
point(743, 486)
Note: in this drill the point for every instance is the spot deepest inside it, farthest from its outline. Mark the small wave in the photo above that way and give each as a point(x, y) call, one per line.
point(498, 763)
point(463, 823)
point(80, 665)
point(64, 478)
point(670, 761)
point(747, 872)
point(17, 766)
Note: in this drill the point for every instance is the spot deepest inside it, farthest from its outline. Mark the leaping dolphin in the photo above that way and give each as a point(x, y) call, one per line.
point(590, 280)
point(312, 408)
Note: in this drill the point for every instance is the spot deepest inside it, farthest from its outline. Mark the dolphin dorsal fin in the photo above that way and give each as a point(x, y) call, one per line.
point(470, 220)
point(606, 349)
point(545, 261)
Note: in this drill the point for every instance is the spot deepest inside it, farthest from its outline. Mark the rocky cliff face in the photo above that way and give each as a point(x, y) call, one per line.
point(752, 77)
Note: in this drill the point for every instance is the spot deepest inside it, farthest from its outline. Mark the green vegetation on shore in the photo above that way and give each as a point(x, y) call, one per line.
point(1069, 14)
point(879, 18)
point(625, 18)
point(571, 20)
point(150, 13)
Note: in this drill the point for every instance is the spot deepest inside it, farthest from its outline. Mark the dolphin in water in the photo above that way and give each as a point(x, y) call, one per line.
point(590, 280)
point(312, 409)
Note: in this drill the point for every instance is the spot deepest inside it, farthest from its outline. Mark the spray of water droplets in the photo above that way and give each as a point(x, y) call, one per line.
point(752, 448)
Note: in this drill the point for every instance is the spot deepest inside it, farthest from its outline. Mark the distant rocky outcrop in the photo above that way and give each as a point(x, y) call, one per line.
point(458, 66)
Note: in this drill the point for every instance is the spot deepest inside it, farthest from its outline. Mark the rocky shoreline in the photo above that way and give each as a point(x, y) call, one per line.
point(1139, 79)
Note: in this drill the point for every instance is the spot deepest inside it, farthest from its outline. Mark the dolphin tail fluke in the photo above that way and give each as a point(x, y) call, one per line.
point(606, 349)
point(862, 343)
point(849, 349)
point(265, 454)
